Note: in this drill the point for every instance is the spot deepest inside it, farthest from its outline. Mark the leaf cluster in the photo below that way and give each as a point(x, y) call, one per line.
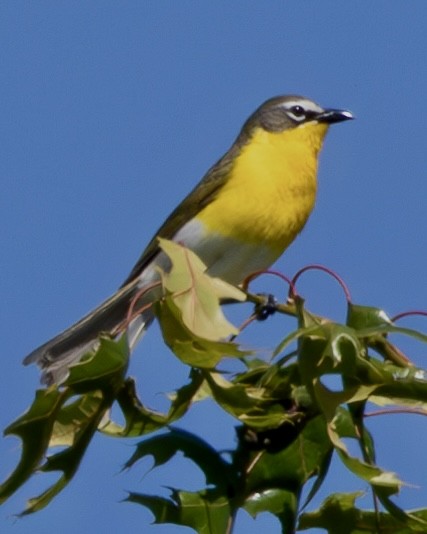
point(289, 423)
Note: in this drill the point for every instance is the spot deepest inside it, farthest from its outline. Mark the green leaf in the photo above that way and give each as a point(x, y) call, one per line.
point(291, 467)
point(331, 349)
point(294, 336)
point(206, 512)
point(339, 515)
point(164, 510)
point(195, 297)
point(361, 317)
point(408, 518)
point(276, 478)
point(72, 419)
point(329, 402)
point(346, 428)
point(51, 421)
point(281, 503)
point(34, 428)
point(291, 423)
point(163, 447)
point(69, 459)
point(238, 399)
point(187, 346)
point(140, 420)
point(327, 349)
point(400, 385)
point(370, 321)
point(372, 325)
point(253, 406)
point(103, 370)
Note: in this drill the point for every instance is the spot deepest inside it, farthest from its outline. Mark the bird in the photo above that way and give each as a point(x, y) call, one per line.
point(239, 219)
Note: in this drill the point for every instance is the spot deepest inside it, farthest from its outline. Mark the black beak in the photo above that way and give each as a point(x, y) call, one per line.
point(334, 115)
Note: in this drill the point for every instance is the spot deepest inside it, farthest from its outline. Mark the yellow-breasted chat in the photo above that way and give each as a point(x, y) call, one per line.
point(239, 219)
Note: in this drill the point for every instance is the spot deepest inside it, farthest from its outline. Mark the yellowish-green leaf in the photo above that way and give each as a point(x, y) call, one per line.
point(190, 348)
point(72, 419)
point(196, 295)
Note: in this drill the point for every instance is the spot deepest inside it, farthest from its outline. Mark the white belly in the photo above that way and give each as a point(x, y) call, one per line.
point(224, 257)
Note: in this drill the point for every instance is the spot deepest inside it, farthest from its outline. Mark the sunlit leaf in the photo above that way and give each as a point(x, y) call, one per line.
point(401, 385)
point(191, 349)
point(195, 296)
point(71, 419)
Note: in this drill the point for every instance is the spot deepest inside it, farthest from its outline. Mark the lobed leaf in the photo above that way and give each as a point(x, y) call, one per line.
point(194, 296)
point(140, 420)
point(279, 502)
point(163, 447)
point(187, 346)
point(35, 429)
point(339, 515)
point(206, 512)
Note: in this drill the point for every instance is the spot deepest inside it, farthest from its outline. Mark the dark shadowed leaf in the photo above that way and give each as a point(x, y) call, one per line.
point(163, 447)
point(141, 420)
point(295, 464)
point(206, 512)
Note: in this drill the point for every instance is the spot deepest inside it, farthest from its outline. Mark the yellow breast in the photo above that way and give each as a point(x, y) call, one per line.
point(271, 189)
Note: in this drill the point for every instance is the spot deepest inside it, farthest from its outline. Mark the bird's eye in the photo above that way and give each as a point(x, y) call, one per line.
point(297, 113)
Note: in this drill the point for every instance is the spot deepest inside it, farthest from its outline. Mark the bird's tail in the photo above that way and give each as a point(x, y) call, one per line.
point(68, 347)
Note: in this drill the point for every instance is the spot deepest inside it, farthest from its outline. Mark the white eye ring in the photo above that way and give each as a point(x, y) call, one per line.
point(297, 113)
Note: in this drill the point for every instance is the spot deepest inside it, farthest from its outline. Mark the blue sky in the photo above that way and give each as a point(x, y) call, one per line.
point(112, 111)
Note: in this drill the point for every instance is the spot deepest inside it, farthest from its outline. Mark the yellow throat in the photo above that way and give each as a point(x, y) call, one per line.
point(271, 189)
